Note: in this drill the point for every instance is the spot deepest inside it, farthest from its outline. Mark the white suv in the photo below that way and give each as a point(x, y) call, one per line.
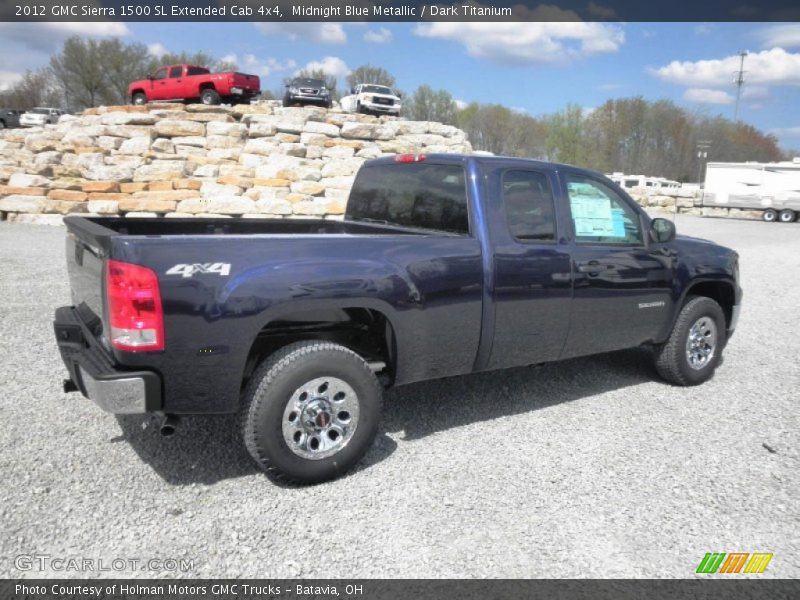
point(36, 117)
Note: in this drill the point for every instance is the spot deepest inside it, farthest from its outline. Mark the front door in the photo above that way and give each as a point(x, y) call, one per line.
point(532, 289)
point(622, 291)
point(158, 85)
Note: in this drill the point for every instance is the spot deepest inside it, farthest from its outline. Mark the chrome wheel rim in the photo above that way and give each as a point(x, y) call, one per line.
point(320, 418)
point(770, 216)
point(701, 344)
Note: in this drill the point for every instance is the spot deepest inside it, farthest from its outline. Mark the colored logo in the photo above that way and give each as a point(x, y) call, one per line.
point(734, 562)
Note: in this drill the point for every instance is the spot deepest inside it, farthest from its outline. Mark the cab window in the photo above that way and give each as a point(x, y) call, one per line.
point(161, 73)
point(600, 215)
point(529, 205)
point(175, 72)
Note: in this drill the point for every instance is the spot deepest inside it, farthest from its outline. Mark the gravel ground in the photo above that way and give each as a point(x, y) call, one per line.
point(586, 468)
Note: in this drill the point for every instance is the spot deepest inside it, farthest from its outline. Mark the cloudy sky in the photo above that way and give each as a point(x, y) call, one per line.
point(534, 67)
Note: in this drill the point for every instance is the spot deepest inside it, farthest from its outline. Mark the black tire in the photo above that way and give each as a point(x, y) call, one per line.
point(671, 359)
point(360, 109)
point(210, 97)
point(2, 124)
point(139, 99)
point(276, 382)
point(787, 216)
point(770, 215)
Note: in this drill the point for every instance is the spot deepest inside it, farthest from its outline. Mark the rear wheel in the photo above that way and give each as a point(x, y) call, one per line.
point(139, 99)
point(310, 412)
point(694, 348)
point(2, 125)
point(210, 96)
point(786, 216)
point(770, 215)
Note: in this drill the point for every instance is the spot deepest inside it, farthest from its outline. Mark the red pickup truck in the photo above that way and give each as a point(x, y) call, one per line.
point(189, 82)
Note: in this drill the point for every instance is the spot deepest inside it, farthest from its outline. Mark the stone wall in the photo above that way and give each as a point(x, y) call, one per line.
point(685, 202)
point(259, 160)
point(175, 160)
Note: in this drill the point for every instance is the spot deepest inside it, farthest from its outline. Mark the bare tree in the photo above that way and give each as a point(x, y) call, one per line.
point(370, 74)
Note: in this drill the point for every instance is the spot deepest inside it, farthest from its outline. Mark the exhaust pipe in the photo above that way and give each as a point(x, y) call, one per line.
point(168, 425)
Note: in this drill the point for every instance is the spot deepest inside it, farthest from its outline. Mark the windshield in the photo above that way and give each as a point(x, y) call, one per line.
point(377, 89)
point(315, 83)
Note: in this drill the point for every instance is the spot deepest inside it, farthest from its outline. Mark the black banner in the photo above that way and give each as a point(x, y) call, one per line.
point(398, 589)
point(397, 10)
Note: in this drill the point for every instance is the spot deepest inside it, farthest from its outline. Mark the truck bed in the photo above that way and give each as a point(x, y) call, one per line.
point(100, 229)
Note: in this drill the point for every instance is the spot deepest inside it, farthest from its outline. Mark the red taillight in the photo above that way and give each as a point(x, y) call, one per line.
point(409, 158)
point(135, 316)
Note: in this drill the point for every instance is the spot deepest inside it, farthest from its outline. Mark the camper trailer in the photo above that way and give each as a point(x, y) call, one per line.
point(771, 187)
point(651, 184)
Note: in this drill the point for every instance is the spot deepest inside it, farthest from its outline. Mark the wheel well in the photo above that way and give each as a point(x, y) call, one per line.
point(365, 331)
point(207, 86)
point(134, 92)
point(720, 291)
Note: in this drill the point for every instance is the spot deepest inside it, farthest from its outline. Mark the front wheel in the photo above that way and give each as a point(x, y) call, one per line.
point(770, 215)
point(310, 412)
point(693, 350)
point(139, 99)
point(786, 216)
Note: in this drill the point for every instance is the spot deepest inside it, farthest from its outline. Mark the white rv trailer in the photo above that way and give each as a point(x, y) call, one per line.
point(771, 187)
point(655, 184)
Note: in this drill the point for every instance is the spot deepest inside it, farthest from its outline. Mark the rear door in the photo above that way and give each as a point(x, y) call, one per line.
point(621, 284)
point(533, 285)
point(176, 83)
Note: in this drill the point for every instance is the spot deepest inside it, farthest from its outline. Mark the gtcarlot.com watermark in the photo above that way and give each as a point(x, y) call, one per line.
point(81, 564)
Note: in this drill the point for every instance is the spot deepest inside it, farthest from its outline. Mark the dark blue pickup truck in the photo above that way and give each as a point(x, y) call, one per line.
point(443, 265)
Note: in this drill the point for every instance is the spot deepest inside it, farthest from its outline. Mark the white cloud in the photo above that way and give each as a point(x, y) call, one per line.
point(157, 49)
point(8, 78)
point(330, 65)
point(322, 33)
point(379, 36)
point(461, 104)
point(529, 42)
point(787, 36)
point(776, 66)
point(49, 37)
point(755, 92)
point(707, 96)
point(250, 63)
point(786, 132)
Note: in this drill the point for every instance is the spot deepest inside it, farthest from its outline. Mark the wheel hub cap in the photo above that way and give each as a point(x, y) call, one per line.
point(320, 418)
point(701, 343)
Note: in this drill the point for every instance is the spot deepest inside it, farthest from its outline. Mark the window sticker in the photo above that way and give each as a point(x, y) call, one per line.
point(591, 212)
point(618, 222)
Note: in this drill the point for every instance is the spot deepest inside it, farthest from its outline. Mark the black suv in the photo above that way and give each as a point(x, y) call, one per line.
point(9, 117)
point(302, 90)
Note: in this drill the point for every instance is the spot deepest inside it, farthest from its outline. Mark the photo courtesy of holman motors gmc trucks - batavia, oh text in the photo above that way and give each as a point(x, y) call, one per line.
point(443, 265)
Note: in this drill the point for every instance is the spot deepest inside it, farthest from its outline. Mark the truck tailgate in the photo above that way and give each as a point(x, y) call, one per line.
point(86, 248)
point(247, 82)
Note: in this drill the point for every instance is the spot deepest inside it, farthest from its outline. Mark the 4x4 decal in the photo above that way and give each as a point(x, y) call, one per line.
point(222, 269)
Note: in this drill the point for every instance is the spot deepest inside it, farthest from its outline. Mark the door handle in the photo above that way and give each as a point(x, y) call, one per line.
point(592, 267)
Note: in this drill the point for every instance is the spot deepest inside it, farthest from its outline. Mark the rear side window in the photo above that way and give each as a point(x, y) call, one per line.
point(196, 71)
point(600, 215)
point(412, 195)
point(175, 72)
point(530, 210)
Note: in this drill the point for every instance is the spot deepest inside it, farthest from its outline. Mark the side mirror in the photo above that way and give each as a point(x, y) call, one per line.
point(352, 90)
point(662, 230)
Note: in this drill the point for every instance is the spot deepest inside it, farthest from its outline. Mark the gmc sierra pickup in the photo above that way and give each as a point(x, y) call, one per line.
point(189, 82)
point(443, 265)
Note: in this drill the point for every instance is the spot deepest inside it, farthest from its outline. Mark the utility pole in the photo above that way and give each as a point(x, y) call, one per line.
point(739, 81)
point(703, 146)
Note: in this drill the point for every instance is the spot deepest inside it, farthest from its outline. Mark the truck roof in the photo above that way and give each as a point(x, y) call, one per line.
point(484, 159)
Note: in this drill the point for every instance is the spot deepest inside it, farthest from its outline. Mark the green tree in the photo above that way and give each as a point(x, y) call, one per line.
point(564, 141)
point(80, 72)
point(427, 104)
point(200, 59)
